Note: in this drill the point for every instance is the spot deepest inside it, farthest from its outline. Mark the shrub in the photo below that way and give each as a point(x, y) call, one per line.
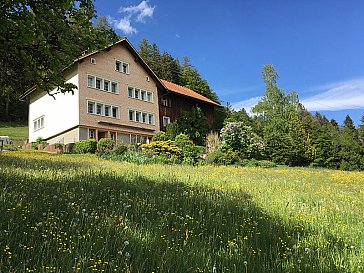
point(182, 140)
point(85, 146)
point(220, 157)
point(119, 149)
point(172, 130)
point(167, 147)
point(240, 138)
point(38, 141)
point(136, 157)
point(105, 143)
point(160, 136)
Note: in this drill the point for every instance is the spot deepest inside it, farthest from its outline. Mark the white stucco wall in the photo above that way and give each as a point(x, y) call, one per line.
point(60, 114)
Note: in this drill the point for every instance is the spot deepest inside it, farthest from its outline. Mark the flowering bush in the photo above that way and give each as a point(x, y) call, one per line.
point(167, 147)
point(240, 138)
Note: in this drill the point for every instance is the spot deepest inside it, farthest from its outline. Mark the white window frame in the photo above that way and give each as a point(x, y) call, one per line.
point(93, 60)
point(103, 112)
point(166, 121)
point(121, 66)
point(144, 117)
point(38, 123)
point(92, 79)
point(132, 91)
point(91, 133)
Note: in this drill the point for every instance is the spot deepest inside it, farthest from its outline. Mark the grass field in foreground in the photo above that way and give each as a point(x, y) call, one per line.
point(18, 132)
point(78, 213)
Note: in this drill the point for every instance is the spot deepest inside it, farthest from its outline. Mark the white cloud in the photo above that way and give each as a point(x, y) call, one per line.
point(124, 25)
point(337, 96)
point(132, 14)
point(246, 104)
point(178, 36)
point(141, 11)
point(331, 97)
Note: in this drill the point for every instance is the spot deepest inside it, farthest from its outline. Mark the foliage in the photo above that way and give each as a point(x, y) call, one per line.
point(238, 137)
point(119, 149)
point(38, 141)
point(160, 136)
point(85, 146)
point(212, 142)
point(285, 137)
point(182, 140)
point(166, 147)
point(105, 143)
point(172, 130)
point(194, 124)
point(222, 157)
point(99, 215)
point(168, 68)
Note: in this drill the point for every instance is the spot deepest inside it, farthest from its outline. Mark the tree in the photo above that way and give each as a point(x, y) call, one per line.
point(163, 65)
point(194, 124)
point(40, 39)
point(105, 33)
point(191, 79)
point(351, 153)
point(285, 137)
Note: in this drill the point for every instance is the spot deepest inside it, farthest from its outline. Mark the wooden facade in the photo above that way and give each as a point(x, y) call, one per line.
point(172, 105)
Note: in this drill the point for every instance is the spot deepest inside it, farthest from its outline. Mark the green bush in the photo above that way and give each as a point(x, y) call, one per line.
point(120, 149)
point(182, 140)
point(85, 146)
point(220, 157)
point(160, 136)
point(38, 141)
point(105, 143)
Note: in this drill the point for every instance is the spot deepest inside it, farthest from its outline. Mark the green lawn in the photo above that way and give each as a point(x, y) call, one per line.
point(79, 213)
point(18, 132)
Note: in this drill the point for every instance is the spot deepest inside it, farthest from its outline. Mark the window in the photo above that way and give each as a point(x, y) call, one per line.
point(91, 133)
point(112, 135)
point(166, 121)
point(115, 112)
point(98, 83)
point(107, 110)
point(91, 107)
point(137, 116)
point(102, 84)
point(90, 81)
point(131, 115)
point(101, 109)
point(140, 94)
point(38, 123)
point(93, 61)
point(114, 87)
point(122, 67)
point(106, 85)
point(149, 97)
point(150, 119)
point(166, 102)
point(142, 117)
point(136, 93)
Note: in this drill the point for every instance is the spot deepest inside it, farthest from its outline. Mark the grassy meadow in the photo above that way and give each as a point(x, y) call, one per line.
point(79, 213)
point(18, 132)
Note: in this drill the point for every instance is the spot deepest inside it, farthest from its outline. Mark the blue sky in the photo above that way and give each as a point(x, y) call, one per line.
point(317, 47)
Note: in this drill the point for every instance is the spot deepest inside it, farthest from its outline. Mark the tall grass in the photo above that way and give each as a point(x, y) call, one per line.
point(78, 213)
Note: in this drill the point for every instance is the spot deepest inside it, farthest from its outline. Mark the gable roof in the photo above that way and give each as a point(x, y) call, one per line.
point(163, 84)
point(186, 92)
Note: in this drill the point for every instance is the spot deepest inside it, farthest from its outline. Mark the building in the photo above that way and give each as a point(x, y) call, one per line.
point(118, 96)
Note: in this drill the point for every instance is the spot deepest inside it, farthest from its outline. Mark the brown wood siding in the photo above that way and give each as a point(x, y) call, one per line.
point(179, 104)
